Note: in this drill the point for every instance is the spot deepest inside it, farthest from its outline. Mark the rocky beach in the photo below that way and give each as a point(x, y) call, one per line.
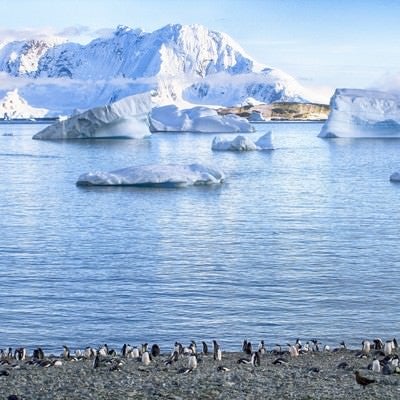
point(328, 374)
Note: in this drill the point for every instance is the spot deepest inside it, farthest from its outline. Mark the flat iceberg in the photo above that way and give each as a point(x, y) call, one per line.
point(197, 119)
point(242, 143)
point(155, 175)
point(362, 113)
point(127, 117)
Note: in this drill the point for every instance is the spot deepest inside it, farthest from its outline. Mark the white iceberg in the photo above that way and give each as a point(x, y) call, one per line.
point(256, 116)
point(395, 177)
point(362, 113)
point(124, 118)
point(155, 175)
point(197, 119)
point(242, 143)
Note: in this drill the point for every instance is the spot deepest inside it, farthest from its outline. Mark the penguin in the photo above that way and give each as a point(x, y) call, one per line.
point(66, 352)
point(205, 348)
point(217, 351)
point(103, 350)
point(255, 359)
point(366, 346)
point(261, 347)
point(192, 362)
point(178, 347)
point(378, 344)
point(126, 350)
point(96, 361)
point(280, 361)
point(20, 354)
point(38, 354)
point(293, 350)
point(387, 370)
point(146, 357)
point(155, 350)
point(395, 345)
point(388, 347)
point(135, 353)
point(376, 366)
point(249, 348)
point(244, 345)
point(174, 357)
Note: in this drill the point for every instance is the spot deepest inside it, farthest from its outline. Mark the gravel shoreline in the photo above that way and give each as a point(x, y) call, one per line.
point(313, 375)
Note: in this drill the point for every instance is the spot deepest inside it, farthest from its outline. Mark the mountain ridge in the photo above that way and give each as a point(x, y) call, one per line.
point(181, 64)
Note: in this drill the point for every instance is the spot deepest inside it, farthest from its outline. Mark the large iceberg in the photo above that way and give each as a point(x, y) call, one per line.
point(124, 118)
point(197, 119)
point(155, 175)
point(362, 113)
point(242, 143)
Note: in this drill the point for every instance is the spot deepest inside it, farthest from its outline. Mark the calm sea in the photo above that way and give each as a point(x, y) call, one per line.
point(301, 242)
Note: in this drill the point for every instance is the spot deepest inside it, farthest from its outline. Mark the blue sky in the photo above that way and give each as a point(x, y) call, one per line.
point(339, 43)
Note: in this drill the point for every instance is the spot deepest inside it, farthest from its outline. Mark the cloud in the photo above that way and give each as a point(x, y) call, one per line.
point(73, 31)
point(389, 82)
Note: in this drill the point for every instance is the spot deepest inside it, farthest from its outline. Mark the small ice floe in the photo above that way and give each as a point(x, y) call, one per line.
point(256, 116)
point(243, 143)
point(155, 175)
point(395, 177)
point(199, 119)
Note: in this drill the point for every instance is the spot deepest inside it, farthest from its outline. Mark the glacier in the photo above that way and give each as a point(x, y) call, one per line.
point(125, 118)
point(197, 119)
point(243, 143)
point(155, 175)
point(362, 113)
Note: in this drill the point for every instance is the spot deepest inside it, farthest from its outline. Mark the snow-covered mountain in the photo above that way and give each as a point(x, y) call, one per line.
point(181, 64)
point(12, 105)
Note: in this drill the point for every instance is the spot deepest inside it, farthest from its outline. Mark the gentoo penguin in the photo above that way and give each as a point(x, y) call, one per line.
point(174, 357)
point(192, 361)
point(293, 350)
point(155, 350)
point(217, 351)
point(146, 357)
point(366, 346)
point(388, 347)
point(66, 352)
point(20, 354)
point(205, 348)
point(103, 350)
point(256, 359)
point(376, 366)
point(261, 347)
point(378, 344)
point(126, 350)
point(178, 347)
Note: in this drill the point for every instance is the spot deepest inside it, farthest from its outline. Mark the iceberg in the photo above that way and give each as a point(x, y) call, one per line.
point(155, 175)
point(256, 116)
point(124, 118)
point(197, 119)
point(362, 113)
point(242, 143)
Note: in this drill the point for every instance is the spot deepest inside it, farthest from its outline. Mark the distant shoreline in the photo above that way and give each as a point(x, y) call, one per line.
point(28, 121)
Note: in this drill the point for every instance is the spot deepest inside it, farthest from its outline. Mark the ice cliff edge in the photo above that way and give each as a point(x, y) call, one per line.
point(124, 118)
point(362, 113)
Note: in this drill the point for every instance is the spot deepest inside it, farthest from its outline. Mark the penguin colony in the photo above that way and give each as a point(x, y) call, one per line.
point(381, 357)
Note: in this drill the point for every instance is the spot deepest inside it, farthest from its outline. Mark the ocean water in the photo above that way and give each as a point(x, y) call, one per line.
point(300, 242)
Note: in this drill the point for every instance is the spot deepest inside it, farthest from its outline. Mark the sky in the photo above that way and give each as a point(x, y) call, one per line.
point(324, 44)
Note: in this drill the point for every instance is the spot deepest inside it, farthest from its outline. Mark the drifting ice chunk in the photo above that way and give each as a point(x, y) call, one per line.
point(395, 177)
point(125, 118)
point(197, 119)
point(362, 113)
point(242, 143)
point(155, 175)
point(256, 116)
